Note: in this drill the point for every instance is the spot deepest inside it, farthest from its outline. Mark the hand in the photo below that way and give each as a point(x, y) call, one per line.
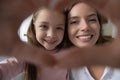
point(108, 54)
point(12, 13)
point(109, 8)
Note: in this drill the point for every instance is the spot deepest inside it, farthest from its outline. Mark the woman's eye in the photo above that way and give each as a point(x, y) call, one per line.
point(74, 22)
point(92, 20)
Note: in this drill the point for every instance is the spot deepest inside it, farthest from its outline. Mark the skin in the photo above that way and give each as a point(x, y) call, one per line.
point(83, 28)
point(49, 31)
point(88, 55)
point(11, 18)
point(12, 15)
point(84, 31)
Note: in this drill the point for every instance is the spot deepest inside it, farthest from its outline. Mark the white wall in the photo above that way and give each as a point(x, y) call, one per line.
point(109, 29)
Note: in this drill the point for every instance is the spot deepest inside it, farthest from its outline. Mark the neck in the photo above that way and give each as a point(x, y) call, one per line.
point(96, 71)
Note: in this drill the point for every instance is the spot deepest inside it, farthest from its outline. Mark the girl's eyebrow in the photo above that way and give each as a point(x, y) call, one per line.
point(60, 25)
point(43, 22)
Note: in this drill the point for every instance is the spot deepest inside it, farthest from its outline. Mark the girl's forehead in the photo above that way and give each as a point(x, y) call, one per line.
point(49, 16)
point(49, 12)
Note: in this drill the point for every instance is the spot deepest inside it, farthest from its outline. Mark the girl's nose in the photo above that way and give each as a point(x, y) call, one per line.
point(51, 33)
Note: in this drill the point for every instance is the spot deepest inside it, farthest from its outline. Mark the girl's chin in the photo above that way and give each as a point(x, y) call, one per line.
point(50, 48)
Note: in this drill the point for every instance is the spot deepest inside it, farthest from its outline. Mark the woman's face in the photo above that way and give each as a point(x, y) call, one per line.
point(49, 28)
point(83, 25)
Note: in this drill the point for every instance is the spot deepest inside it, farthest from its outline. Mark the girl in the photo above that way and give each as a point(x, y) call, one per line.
point(46, 31)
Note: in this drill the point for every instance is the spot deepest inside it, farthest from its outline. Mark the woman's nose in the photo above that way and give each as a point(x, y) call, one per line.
point(84, 26)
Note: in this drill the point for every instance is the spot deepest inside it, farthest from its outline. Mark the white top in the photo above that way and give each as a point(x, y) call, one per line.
point(83, 74)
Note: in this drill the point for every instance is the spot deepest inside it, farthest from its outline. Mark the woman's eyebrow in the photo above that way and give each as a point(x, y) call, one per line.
point(73, 17)
point(92, 15)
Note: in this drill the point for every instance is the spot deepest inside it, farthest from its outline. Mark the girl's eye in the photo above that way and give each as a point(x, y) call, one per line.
point(43, 27)
point(60, 28)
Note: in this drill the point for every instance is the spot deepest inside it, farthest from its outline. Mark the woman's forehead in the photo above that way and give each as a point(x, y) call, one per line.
point(82, 9)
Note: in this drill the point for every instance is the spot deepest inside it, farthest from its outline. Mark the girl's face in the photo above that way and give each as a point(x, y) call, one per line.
point(49, 28)
point(83, 25)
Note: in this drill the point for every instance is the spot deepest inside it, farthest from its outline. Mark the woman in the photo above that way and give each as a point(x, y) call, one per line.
point(85, 29)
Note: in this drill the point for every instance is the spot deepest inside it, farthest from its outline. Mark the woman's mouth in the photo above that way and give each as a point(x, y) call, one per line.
point(85, 38)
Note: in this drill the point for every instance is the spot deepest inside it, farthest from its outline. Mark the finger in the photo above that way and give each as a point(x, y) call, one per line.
point(61, 4)
point(11, 16)
point(98, 55)
point(34, 55)
point(18, 9)
point(110, 9)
